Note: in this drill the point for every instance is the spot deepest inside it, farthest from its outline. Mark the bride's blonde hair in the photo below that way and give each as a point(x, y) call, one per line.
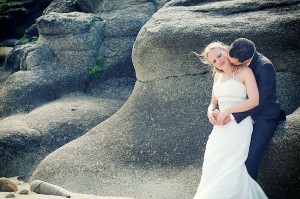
point(213, 45)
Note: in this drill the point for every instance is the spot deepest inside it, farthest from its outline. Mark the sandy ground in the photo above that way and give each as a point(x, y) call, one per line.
point(32, 195)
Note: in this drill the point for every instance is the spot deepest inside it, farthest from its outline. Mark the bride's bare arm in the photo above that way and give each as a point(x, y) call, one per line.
point(211, 110)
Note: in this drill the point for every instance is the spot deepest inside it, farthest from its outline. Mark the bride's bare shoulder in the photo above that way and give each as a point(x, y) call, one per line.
point(245, 70)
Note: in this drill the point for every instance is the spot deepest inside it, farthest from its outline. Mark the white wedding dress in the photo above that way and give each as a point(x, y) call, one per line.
point(224, 174)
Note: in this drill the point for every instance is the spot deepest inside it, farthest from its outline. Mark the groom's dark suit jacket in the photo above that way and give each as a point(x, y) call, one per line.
point(266, 114)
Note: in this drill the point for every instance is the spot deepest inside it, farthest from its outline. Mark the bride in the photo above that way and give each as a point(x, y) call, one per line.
point(224, 174)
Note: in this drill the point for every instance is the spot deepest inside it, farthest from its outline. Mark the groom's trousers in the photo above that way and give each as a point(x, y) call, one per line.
point(260, 138)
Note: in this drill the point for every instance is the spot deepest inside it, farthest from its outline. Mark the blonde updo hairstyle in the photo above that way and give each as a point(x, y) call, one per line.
point(204, 54)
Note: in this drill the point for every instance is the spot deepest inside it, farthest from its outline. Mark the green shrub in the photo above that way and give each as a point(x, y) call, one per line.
point(5, 5)
point(25, 41)
point(100, 59)
point(96, 71)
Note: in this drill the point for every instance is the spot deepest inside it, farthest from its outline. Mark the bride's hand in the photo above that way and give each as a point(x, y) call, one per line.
point(212, 116)
point(216, 113)
point(221, 116)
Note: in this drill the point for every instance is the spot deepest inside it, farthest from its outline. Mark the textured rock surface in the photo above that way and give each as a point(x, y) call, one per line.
point(59, 63)
point(62, 6)
point(6, 185)
point(280, 166)
point(68, 46)
point(153, 146)
point(24, 193)
point(26, 139)
point(48, 189)
point(123, 20)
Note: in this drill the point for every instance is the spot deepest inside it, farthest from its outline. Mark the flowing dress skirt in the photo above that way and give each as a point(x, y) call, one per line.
point(224, 174)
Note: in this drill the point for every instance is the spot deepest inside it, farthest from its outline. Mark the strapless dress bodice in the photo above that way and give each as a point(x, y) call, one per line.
point(229, 93)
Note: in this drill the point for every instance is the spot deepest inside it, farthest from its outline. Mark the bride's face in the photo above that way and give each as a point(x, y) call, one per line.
point(218, 58)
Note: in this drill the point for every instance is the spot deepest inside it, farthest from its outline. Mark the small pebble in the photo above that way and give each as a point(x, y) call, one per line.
point(10, 195)
point(24, 192)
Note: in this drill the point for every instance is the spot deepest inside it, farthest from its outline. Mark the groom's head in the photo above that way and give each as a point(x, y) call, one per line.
point(241, 51)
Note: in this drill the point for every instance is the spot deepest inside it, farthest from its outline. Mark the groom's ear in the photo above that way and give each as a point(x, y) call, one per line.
point(227, 51)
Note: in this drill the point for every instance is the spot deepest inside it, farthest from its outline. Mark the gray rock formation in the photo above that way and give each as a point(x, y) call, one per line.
point(72, 42)
point(27, 138)
point(280, 165)
point(59, 63)
point(6, 185)
point(62, 6)
point(123, 20)
point(49, 189)
point(153, 146)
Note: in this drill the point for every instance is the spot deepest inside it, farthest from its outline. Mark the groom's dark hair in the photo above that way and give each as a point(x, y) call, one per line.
point(242, 49)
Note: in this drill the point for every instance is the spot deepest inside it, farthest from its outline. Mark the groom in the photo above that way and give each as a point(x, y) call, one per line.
point(267, 114)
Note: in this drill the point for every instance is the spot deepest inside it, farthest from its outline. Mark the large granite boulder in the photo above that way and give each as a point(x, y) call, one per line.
point(59, 63)
point(280, 166)
point(123, 20)
point(72, 42)
point(25, 139)
point(153, 146)
point(62, 6)
point(139, 148)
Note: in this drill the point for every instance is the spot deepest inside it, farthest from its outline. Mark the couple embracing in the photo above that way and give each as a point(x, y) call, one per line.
point(245, 112)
